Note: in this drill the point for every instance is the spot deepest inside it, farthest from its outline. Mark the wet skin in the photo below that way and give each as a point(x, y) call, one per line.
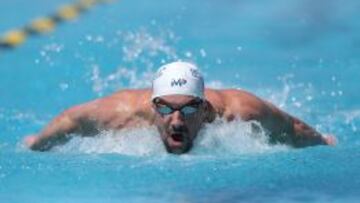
point(179, 129)
point(134, 108)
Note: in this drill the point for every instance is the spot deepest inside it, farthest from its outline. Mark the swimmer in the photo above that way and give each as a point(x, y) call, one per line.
point(179, 106)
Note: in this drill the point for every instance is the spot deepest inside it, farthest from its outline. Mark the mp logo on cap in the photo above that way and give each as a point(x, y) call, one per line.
point(179, 82)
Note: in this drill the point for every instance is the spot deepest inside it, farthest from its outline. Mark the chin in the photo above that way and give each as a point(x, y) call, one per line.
point(178, 150)
point(177, 147)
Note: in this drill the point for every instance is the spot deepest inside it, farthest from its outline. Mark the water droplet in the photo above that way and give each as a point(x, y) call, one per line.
point(64, 86)
point(99, 39)
point(88, 37)
point(202, 53)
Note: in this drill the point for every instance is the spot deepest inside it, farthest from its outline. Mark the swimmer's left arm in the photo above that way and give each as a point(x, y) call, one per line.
point(293, 131)
point(304, 135)
point(282, 127)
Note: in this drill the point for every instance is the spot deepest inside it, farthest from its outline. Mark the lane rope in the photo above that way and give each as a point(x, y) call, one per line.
point(47, 24)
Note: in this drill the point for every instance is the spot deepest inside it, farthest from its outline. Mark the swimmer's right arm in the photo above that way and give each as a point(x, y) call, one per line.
point(57, 131)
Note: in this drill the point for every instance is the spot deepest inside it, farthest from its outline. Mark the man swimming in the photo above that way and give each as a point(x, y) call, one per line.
point(178, 105)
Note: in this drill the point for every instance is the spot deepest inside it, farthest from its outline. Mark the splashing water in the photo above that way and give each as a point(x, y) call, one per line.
point(122, 77)
point(140, 49)
point(136, 142)
point(311, 73)
point(218, 139)
point(142, 44)
point(236, 137)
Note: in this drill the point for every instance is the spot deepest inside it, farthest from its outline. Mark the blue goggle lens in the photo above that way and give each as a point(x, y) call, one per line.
point(164, 110)
point(186, 110)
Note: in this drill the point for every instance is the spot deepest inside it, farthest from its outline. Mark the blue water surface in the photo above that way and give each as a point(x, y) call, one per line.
point(301, 55)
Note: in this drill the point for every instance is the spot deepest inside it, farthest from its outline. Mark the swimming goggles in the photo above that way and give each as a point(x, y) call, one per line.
point(185, 110)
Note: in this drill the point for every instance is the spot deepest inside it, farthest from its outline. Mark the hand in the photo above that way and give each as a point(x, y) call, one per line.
point(30, 141)
point(330, 140)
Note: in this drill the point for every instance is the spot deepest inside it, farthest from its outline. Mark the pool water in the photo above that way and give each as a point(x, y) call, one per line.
point(301, 55)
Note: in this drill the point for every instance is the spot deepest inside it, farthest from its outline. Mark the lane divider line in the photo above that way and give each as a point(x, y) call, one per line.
point(44, 25)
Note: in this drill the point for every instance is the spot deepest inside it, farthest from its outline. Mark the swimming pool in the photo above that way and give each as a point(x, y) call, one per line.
point(301, 55)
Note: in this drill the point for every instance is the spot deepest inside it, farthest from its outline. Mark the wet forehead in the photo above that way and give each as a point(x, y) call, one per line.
point(176, 100)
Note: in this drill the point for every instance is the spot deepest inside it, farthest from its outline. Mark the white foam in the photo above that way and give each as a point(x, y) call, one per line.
point(237, 137)
point(136, 142)
point(218, 138)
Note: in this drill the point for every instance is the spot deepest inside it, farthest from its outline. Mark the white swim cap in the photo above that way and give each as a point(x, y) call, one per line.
point(178, 78)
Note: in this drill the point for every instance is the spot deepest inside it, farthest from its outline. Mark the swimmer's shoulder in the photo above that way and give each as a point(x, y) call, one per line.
point(133, 93)
point(135, 98)
point(136, 102)
point(236, 103)
point(131, 99)
point(228, 96)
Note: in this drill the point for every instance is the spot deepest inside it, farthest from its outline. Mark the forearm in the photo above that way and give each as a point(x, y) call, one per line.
point(303, 135)
point(288, 129)
point(45, 143)
point(54, 134)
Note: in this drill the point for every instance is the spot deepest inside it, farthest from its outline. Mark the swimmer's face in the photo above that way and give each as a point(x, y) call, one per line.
point(178, 119)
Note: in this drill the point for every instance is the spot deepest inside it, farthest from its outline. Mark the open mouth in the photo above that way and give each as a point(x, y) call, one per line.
point(178, 142)
point(178, 137)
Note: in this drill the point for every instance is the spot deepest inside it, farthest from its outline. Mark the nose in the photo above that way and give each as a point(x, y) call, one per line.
point(177, 120)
